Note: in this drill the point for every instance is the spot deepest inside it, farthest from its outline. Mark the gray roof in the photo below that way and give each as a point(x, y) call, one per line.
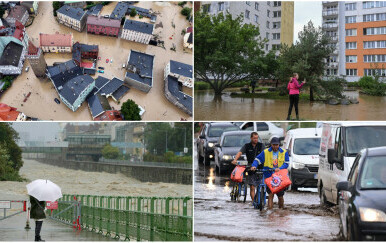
point(11, 54)
point(140, 66)
point(181, 68)
point(63, 72)
point(100, 82)
point(138, 26)
point(98, 104)
point(111, 86)
point(75, 86)
point(95, 10)
point(120, 92)
point(75, 13)
point(175, 89)
point(119, 11)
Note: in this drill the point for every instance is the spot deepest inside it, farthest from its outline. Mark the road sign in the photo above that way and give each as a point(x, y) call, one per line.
point(52, 205)
point(5, 204)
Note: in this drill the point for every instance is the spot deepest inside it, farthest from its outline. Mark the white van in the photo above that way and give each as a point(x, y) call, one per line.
point(303, 146)
point(266, 130)
point(340, 143)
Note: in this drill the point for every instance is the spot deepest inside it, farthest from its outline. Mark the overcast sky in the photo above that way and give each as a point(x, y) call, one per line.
point(306, 11)
point(46, 131)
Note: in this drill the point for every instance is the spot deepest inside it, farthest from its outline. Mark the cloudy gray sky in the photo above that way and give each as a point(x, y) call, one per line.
point(306, 11)
point(43, 131)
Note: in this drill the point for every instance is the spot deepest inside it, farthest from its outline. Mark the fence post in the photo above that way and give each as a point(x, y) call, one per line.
point(167, 218)
point(100, 214)
point(109, 216)
point(117, 218)
point(185, 216)
point(139, 210)
point(153, 200)
point(27, 226)
point(93, 213)
point(127, 221)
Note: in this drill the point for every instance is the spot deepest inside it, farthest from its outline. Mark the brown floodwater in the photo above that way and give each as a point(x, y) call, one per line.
point(41, 103)
point(240, 109)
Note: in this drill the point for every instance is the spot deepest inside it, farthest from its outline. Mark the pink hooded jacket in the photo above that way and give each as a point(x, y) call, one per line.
point(294, 86)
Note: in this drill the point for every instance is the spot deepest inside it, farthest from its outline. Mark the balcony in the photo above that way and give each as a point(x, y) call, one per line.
point(329, 3)
point(330, 12)
point(332, 65)
point(330, 26)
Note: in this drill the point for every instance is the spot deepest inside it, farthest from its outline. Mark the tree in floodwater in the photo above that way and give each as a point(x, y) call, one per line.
point(226, 51)
point(110, 152)
point(306, 57)
point(10, 154)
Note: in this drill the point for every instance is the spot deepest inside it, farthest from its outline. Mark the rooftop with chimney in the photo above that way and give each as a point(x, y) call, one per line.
point(140, 67)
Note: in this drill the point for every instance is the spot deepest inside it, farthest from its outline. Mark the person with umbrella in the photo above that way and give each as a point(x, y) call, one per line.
point(41, 191)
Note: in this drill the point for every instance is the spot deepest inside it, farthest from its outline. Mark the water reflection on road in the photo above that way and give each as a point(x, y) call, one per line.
point(217, 218)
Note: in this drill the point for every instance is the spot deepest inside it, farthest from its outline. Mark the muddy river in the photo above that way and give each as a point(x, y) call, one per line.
point(217, 218)
point(228, 108)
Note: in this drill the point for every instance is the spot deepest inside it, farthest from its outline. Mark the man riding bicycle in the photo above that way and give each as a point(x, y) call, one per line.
point(272, 158)
point(251, 150)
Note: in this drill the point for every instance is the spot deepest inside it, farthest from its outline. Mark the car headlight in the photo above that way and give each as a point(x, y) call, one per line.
point(372, 215)
point(227, 157)
point(210, 145)
point(297, 165)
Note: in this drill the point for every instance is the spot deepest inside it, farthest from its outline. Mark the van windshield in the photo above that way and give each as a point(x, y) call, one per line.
point(358, 138)
point(374, 173)
point(306, 146)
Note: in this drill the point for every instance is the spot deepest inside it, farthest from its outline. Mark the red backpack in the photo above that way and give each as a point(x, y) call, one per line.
point(238, 174)
point(278, 181)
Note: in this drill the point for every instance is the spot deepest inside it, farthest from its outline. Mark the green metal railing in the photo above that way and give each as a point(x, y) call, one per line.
point(133, 218)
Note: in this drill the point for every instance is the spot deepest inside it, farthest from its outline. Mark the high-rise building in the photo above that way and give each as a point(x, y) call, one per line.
point(36, 59)
point(358, 31)
point(274, 18)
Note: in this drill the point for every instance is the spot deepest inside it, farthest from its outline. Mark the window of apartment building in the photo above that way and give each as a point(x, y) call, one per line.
point(267, 25)
point(374, 31)
point(248, 3)
point(266, 47)
point(268, 12)
point(374, 17)
point(351, 6)
point(374, 44)
point(221, 6)
point(374, 4)
point(374, 58)
point(276, 25)
point(276, 36)
point(351, 32)
point(257, 6)
point(373, 72)
point(276, 3)
point(351, 19)
point(351, 72)
point(276, 14)
point(268, 3)
point(352, 59)
point(331, 59)
point(247, 14)
point(256, 18)
point(267, 35)
point(331, 72)
point(351, 45)
point(276, 47)
point(331, 33)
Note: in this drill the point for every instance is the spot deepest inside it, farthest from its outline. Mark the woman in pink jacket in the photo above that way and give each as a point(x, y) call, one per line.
point(294, 87)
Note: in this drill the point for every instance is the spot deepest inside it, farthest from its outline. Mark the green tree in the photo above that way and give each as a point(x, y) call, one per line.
point(157, 137)
point(306, 57)
point(133, 12)
point(110, 152)
point(56, 5)
point(226, 51)
point(10, 153)
point(130, 111)
point(2, 12)
point(186, 11)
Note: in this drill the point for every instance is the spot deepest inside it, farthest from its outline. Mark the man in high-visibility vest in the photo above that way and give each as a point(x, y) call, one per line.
point(273, 158)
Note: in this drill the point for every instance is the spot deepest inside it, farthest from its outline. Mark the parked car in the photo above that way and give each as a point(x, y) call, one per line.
point(57, 101)
point(111, 60)
point(99, 58)
point(229, 145)
point(101, 71)
point(339, 144)
point(303, 146)
point(107, 60)
point(362, 207)
point(101, 68)
point(266, 130)
point(209, 136)
point(27, 69)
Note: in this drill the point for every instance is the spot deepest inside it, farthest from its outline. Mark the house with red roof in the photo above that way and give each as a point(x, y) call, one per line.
point(8, 113)
point(99, 25)
point(18, 13)
point(56, 42)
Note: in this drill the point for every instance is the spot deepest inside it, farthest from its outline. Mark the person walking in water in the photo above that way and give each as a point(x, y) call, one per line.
point(294, 87)
point(37, 213)
point(253, 85)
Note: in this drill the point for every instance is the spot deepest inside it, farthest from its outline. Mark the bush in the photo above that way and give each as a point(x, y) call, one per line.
point(332, 88)
point(130, 111)
point(110, 152)
point(181, 4)
point(186, 11)
point(168, 157)
point(367, 82)
point(133, 12)
point(379, 89)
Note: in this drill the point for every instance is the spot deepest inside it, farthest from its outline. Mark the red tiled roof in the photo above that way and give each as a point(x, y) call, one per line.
point(8, 113)
point(17, 12)
point(32, 49)
point(103, 21)
point(56, 39)
point(113, 115)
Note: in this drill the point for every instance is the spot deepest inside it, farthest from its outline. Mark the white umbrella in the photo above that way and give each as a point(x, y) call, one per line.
point(44, 190)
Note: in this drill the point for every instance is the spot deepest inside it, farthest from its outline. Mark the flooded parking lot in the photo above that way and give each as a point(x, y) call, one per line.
point(41, 103)
point(217, 218)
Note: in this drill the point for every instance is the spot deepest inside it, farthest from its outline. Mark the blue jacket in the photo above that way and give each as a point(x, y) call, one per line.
point(266, 158)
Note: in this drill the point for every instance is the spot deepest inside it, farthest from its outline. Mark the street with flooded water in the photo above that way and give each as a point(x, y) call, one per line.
point(216, 217)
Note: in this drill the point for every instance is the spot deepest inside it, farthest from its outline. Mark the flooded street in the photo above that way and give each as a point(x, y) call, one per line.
point(41, 103)
point(228, 108)
point(217, 218)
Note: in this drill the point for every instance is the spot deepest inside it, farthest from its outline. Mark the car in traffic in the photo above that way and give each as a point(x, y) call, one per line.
point(266, 130)
point(302, 145)
point(209, 137)
point(362, 197)
point(229, 145)
point(57, 101)
point(101, 71)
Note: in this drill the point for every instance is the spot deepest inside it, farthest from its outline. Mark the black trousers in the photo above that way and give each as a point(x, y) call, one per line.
point(294, 101)
point(38, 227)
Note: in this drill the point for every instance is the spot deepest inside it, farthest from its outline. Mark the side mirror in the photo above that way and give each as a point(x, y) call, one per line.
point(202, 137)
point(217, 145)
point(331, 156)
point(344, 186)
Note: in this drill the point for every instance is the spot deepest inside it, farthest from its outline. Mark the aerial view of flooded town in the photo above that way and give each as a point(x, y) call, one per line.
point(82, 60)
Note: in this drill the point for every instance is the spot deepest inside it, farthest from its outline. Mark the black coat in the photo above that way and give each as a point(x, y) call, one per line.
point(37, 208)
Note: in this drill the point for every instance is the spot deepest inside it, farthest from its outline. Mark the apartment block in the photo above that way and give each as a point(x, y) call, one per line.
point(274, 18)
point(74, 18)
point(358, 31)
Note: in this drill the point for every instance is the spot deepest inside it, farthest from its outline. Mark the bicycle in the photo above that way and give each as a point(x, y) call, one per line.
point(240, 189)
point(261, 191)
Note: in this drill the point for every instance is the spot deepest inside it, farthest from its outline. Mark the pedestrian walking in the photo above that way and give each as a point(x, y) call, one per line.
point(293, 88)
point(37, 213)
point(253, 85)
